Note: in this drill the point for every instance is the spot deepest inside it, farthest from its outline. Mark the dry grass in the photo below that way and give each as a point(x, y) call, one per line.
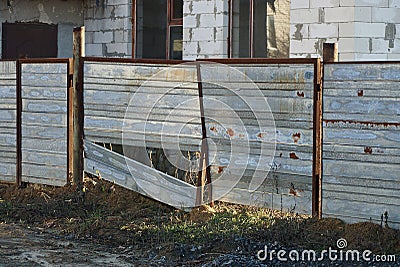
point(109, 214)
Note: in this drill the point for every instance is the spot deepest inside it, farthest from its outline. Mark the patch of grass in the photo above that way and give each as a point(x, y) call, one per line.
point(225, 224)
point(112, 215)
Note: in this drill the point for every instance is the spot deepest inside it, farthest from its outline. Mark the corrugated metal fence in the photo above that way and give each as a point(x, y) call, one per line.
point(141, 104)
point(361, 147)
point(8, 121)
point(34, 121)
point(282, 162)
point(157, 105)
point(44, 121)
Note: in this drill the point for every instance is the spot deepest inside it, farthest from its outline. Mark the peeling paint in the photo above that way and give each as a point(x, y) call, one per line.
point(198, 48)
point(368, 150)
point(370, 45)
point(321, 15)
point(230, 132)
point(190, 7)
point(296, 137)
point(43, 17)
point(198, 20)
point(298, 35)
point(221, 169)
point(319, 45)
point(215, 34)
point(390, 33)
point(190, 33)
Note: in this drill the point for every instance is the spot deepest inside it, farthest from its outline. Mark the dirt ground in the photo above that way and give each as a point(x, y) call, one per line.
point(106, 225)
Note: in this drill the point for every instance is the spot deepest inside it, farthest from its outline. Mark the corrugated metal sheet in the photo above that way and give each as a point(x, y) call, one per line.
point(8, 146)
point(138, 177)
point(44, 123)
point(286, 123)
point(153, 104)
point(361, 144)
point(121, 99)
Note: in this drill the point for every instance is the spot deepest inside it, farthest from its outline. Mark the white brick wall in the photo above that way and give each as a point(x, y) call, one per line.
point(108, 28)
point(205, 29)
point(363, 29)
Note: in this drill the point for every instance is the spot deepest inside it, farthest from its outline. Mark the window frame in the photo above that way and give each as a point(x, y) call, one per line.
point(251, 28)
point(171, 22)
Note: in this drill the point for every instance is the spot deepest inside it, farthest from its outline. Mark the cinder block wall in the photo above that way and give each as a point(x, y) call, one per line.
point(364, 29)
point(108, 28)
point(205, 29)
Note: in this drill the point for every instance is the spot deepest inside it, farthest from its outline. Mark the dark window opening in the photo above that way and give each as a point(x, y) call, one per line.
point(151, 26)
point(249, 28)
point(177, 9)
point(175, 42)
point(158, 29)
point(29, 40)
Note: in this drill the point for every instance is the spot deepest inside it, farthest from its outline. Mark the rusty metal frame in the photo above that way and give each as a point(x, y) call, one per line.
point(251, 29)
point(138, 61)
point(19, 124)
point(316, 179)
point(261, 60)
point(362, 62)
point(171, 20)
point(16, 118)
point(204, 155)
point(19, 63)
point(317, 141)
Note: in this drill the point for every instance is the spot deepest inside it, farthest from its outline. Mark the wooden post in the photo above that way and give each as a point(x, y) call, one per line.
point(78, 53)
point(330, 52)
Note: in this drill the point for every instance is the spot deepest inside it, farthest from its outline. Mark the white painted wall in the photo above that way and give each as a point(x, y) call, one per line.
point(363, 29)
point(108, 28)
point(205, 29)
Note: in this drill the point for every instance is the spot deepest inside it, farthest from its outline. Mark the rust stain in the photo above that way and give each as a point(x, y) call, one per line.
point(296, 137)
point(260, 135)
point(366, 123)
point(293, 192)
point(230, 132)
point(300, 94)
point(368, 150)
point(220, 169)
point(214, 129)
point(360, 93)
point(293, 155)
